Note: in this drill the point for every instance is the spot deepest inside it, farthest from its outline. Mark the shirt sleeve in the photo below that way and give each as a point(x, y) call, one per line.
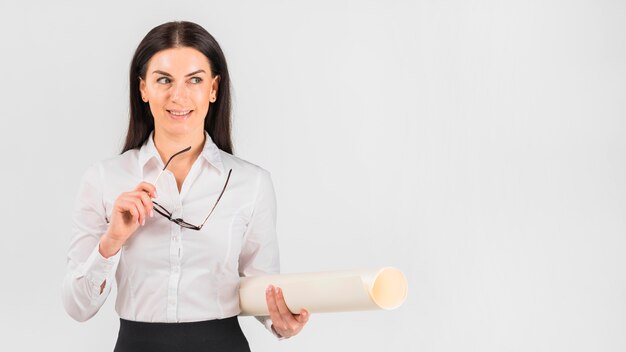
point(259, 254)
point(86, 268)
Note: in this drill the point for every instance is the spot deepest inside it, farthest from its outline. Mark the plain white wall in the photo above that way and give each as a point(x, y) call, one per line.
point(476, 145)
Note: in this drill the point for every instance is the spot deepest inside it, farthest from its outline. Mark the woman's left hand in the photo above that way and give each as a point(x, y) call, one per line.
point(284, 322)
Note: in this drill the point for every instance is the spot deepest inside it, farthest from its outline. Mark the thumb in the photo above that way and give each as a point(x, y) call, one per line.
point(303, 317)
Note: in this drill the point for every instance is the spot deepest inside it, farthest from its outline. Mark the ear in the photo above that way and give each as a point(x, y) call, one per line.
point(215, 84)
point(142, 87)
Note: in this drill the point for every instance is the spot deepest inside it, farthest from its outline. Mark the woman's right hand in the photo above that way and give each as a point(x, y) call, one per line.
point(130, 211)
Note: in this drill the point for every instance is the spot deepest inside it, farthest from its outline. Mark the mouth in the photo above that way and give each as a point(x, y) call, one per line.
point(179, 114)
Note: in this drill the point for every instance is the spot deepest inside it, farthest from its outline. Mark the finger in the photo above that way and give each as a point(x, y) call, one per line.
point(303, 317)
point(147, 187)
point(140, 209)
point(273, 308)
point(145, 200)
point(147, 203)
point(126, 206)
point(284, 310)
point(134, 212)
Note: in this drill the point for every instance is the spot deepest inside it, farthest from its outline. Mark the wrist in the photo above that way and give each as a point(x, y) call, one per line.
point(108, 246)
point(276, 332)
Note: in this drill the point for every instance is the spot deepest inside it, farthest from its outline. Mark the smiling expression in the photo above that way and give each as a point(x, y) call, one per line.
point(179, 88)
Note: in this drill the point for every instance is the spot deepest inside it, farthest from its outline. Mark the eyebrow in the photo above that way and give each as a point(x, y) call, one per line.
point(167, 74)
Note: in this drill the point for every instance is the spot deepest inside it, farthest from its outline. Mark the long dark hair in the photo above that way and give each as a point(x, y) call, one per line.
point(172, 35)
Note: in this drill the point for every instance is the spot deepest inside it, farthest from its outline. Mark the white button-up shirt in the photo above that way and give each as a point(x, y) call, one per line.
point(164, 272)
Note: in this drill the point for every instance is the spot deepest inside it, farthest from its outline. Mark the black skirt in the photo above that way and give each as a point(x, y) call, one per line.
point(205, 336)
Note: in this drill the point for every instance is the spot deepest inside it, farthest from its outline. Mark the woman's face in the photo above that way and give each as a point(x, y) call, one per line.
point(179, 88)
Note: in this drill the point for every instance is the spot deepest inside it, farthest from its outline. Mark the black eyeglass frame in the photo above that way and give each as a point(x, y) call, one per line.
point(161, 210)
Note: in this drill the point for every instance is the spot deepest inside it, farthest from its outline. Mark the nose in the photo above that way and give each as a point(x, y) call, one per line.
point(179, 92)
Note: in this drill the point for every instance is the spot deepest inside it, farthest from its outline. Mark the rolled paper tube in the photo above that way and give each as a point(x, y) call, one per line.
point(336, 291)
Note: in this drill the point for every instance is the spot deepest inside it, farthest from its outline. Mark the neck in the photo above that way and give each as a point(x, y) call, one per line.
point(168, 145)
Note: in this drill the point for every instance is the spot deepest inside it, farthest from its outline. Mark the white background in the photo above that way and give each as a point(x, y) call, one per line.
point(476, 145)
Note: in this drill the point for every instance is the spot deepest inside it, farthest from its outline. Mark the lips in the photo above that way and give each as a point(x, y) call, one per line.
point(179, 114)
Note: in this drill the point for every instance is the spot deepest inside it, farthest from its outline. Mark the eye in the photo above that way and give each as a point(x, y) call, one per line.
point(163, 80)
point(196, 80)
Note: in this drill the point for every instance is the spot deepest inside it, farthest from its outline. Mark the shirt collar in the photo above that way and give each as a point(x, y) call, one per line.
point(210, 152)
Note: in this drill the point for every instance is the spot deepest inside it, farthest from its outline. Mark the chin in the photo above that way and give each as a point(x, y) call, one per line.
point(178, 128)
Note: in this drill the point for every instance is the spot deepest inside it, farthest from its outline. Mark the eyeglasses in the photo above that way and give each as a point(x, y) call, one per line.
point(161, 210)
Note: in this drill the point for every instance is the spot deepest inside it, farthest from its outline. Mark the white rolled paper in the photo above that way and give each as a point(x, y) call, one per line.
point(335, 291)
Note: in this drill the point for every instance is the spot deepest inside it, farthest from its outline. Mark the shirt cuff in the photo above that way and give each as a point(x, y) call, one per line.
point(97, 268)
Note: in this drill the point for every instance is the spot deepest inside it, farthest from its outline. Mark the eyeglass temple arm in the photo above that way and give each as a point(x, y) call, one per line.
point(168, 162)
point(160, 173)
point(218, 198)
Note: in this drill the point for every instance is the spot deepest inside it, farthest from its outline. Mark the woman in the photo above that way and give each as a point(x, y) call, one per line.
point(176, 218)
